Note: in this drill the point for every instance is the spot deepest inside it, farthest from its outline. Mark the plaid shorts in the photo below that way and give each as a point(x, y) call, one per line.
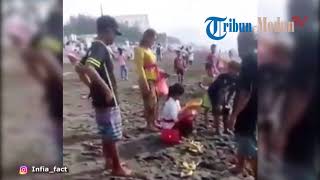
point(109, 123)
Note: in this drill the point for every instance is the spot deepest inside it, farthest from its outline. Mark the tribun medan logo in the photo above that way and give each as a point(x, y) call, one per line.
point(217, 27)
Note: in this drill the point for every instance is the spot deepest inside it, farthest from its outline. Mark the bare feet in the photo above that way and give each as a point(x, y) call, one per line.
point(236, 170)
point(108, 164)
point(228, 132)
point(152, 128)
point(123, 172)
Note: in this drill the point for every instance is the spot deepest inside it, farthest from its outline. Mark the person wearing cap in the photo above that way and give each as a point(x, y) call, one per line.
point(147, 70)
point(42, 55)
point(96, 70)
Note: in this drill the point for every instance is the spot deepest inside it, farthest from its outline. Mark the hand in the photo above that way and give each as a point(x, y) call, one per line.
point(146, 90)
point(166, 75)
point(109, 97)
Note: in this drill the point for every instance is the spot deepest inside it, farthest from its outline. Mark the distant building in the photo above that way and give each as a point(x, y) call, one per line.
point(139, 21)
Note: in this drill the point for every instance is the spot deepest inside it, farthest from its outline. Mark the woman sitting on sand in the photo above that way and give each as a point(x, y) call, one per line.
point(147, 70)
point(171, 117)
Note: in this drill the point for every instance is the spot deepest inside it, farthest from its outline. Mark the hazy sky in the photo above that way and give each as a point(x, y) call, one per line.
point(181, 18)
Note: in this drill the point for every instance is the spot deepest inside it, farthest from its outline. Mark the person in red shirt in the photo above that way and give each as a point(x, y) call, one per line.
point(179, 66)
point(212, 62)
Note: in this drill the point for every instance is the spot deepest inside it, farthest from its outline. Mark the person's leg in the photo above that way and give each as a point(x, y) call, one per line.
point(126, 72)
point(254, 165)
point(225, 119)
point(206, 119)
point(106, 155)
point(182, 77)
point(113, 159)
point(216, 120)
point(150, 108)
point(121, 72)
point(241, 155)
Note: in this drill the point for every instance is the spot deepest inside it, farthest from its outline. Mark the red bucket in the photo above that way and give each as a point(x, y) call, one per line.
point(170, 136)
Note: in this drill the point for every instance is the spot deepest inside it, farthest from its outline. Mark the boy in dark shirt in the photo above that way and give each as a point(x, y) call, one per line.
point(244, 116)
point(221, 94)
point(96, 71)
point(43, 59)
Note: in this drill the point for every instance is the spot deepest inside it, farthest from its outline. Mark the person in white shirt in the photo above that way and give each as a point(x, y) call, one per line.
point(190, 55)
point(171, 108)
point(175, 117)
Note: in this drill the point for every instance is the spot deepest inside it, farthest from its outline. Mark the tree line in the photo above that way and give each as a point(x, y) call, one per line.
point(83, 24)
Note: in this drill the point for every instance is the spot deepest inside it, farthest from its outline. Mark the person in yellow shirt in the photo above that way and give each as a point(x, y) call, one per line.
point(147, 70)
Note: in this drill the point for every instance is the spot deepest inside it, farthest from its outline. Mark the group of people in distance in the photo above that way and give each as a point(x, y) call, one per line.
point(96, 71)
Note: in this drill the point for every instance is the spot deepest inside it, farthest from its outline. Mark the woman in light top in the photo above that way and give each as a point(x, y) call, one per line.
point(147, 70)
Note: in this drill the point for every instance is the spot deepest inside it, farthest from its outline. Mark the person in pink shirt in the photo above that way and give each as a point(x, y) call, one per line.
point(123, 67)
point(212, 62)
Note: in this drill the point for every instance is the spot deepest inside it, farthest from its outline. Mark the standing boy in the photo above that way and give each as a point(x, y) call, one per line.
point(244, 116)
point(179, 66)
point(94, 70)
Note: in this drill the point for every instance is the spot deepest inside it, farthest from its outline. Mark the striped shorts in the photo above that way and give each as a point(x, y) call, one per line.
point(109, 123)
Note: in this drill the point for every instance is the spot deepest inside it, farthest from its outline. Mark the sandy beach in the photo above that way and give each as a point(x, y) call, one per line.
point(143, 152)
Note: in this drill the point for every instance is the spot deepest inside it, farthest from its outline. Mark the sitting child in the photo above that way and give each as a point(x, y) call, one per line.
point(171, 117)
point(221, 94)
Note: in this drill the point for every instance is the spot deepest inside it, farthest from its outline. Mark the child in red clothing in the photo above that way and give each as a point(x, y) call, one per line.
point(179, 66)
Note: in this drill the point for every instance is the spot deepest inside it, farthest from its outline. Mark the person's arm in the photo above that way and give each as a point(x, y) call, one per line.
point(79, 68)
point(36, 59)
point(241, 102)
point(139, 60)
point(203, 86)
point(245, 87)
point(92, 64)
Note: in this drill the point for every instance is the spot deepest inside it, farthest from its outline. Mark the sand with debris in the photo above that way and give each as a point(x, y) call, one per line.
point(143, 152)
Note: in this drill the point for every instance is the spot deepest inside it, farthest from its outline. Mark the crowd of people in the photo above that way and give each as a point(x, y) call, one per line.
point(231, 93)
point(287, 93)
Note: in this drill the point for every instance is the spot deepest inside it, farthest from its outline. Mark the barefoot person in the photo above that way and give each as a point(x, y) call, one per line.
point(147, 70)
point(97, 72)
point(122, 62)
point(221, 94)
point(179, 66)
point(212, 62)
point(245, 112)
